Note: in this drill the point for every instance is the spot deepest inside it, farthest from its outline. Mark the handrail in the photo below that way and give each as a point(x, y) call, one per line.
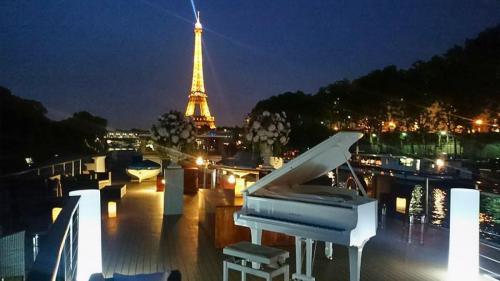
point(39, 168)
point(47, 263)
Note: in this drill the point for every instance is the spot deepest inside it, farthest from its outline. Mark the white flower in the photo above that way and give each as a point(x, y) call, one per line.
point(281, 127)
point(249, 137)
point(271, 127)
point(269, 141)
point(261, 132)
point(266, 113)
point(175, 139)
point(256, 125)
point(256, 139)
point(283, 113)
point(283, 140)
point(263, 137)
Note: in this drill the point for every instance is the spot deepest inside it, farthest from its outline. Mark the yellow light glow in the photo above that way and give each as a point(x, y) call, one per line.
point(401, 205)
point(55, 213)
point(231, 179)
point(239, 187)
point(111, 209)
point(439, 163)
point(392, 125)
point(478, 122)
point(199, 161)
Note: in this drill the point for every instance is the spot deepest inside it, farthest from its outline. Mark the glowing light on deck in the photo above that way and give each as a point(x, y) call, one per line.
point(89, 237)
point(401, 205)
point(231, 179)
point(111, 209)
point(199, 161)
point(55, 213)
point(463, 256)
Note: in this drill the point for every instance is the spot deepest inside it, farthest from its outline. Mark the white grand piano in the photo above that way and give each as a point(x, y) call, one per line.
point(280, 202)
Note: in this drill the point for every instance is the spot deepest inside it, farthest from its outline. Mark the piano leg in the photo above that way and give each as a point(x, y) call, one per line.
point(256, 234)
point(309, 253)
point(298, 255)
point(298, 259)
point(355, 262)
point(329, 250)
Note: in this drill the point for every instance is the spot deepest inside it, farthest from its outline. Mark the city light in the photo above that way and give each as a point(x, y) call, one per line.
point(439, 163)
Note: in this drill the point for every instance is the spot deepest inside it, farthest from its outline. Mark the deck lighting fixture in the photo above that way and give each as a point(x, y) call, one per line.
point(89, 233)
point(55, 213)
point(401, 205)
point(463, 255)
point(111, 209)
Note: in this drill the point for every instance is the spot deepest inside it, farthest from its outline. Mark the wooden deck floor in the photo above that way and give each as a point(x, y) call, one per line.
point(141, 240)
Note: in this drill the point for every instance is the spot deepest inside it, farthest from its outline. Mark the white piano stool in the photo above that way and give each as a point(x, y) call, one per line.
point(272, 261)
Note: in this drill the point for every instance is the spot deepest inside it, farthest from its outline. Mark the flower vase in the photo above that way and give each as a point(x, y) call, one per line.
point(266, 153)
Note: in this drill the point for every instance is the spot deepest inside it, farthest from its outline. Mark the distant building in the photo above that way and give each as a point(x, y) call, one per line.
point(126, 139)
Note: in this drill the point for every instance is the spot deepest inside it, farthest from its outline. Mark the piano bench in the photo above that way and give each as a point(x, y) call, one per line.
point(272, 261)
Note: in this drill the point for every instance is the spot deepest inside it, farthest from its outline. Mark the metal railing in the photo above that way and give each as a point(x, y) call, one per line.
point(73, 167)
point(57, 256)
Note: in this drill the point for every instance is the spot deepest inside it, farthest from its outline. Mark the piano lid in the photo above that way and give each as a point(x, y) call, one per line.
point(311, 164)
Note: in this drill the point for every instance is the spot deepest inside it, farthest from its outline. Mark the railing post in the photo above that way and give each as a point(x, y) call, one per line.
point(73, 168)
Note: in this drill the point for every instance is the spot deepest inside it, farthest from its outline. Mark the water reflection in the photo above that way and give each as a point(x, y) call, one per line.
point(490, 217)
point(439, 207)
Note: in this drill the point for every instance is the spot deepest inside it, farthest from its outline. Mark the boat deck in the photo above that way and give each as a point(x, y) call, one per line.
point(141, 240)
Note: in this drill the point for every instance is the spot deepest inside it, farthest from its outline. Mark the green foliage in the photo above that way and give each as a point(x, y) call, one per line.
point(440, 94)
point(25, 131)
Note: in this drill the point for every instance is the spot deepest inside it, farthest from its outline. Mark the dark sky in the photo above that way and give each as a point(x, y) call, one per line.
point(131, 60)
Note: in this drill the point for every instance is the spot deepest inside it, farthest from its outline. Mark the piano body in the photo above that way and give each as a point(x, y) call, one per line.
point(280, 203)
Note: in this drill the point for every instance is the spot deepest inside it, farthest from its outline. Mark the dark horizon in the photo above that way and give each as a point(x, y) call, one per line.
point(131, 62)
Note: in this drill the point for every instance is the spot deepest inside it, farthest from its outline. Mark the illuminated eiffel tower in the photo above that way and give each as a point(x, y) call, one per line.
point(198, 96)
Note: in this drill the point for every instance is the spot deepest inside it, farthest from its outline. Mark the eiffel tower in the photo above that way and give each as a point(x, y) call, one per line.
point(198, 96)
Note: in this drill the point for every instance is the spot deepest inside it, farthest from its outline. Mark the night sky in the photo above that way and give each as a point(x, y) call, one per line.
point(129, 61)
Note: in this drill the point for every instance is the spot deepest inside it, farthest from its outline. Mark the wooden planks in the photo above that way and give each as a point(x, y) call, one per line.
point(140, 240)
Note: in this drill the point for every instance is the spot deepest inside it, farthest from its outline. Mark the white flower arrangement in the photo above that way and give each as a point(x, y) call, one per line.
point(268, 128)
point(174, 130)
